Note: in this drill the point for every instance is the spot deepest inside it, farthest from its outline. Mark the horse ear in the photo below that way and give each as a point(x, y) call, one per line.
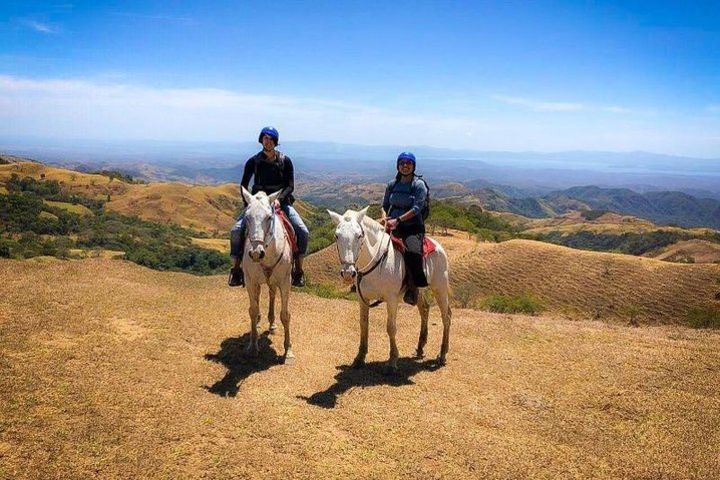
point(246, 195)
point(361, 214)
point(336, 217)
point(274, 196)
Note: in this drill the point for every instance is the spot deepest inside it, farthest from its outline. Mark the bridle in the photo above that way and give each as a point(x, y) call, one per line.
point(369, 268)
point(267, 237)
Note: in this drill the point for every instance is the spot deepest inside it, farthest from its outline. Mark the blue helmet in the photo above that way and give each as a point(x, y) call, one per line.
point(409, 156)
point(272, 131)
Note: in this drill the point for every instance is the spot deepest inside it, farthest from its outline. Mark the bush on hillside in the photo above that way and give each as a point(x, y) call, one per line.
point(525, 303)
point(704, 317)
point(628, 243)
point(591, 215)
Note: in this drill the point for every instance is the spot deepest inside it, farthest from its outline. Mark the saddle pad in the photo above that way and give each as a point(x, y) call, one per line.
point(428, 245)
point(289, 230)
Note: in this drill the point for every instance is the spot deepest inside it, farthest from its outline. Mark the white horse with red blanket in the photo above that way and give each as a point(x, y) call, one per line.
point(369, 259)
point(268, 259)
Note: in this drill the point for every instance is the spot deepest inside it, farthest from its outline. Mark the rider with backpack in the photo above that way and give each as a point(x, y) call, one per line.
point(404, 210)
point(271, 170)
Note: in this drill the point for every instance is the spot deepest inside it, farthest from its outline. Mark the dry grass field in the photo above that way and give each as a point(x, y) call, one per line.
point(110, 370)
point(609, 223)
point(571, 283)
point(696, 251)
point(201, 207)
point(219, 244)
point(581, 284)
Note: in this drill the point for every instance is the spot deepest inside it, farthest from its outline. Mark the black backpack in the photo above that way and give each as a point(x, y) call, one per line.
point(425, 212)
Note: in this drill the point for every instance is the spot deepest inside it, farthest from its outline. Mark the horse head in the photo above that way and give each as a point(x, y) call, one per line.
point(260, 221)
point(349, 237)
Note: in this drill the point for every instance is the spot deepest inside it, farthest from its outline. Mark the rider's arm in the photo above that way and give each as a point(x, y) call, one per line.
point(288, 179)
point(247, 174)
point(420, 194)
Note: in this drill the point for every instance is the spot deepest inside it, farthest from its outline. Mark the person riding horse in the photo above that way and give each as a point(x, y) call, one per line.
point(271, 171)
point(403, 203)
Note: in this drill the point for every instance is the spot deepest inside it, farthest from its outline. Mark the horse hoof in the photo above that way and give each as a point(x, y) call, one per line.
point(289, 360)
point(272, 328)
point(419, 354)
point(441, 360)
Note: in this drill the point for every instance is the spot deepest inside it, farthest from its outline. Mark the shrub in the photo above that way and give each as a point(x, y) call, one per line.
point(325, 291)
point(525, 303)
point(704, 317)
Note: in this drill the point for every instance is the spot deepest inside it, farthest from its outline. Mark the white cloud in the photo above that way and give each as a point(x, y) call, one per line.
point(41, 27)
point(118, 110)
point(540, 106)
point(616, 109)
point(545, 106)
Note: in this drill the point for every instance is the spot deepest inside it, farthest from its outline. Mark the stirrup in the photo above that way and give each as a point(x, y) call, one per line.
point(236, 278)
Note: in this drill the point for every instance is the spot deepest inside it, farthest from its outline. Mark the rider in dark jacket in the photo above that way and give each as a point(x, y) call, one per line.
point(271, 171)
point(404, 200)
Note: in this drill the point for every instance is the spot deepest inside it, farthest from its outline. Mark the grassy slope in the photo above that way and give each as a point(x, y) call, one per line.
point(575, 283)
point(111, 370)
point(700, 251)
point(206, 208)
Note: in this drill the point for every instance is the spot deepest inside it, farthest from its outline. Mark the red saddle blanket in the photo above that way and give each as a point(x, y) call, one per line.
point(289, 230)
point(428, 245)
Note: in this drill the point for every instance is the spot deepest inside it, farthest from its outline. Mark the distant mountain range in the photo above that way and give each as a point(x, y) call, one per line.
point(662, 188)
point(535, 172)
point(665, 207)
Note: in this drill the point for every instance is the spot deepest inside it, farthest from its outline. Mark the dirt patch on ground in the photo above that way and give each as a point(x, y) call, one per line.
point(111, 370)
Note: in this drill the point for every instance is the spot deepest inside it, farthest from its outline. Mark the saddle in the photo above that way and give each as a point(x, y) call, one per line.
point(289, 230)
point(428, 246)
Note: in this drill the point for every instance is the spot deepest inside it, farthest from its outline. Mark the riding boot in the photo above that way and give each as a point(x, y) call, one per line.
point(298, 276)
point(411, 291)
point(236, 278)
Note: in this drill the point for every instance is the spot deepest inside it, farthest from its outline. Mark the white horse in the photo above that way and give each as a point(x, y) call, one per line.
point(369, 259)
point(267, 259)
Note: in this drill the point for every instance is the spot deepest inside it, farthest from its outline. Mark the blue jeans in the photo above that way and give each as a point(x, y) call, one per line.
point(237, 234)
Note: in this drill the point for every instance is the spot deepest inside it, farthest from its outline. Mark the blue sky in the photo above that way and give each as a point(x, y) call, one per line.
point(530, 75)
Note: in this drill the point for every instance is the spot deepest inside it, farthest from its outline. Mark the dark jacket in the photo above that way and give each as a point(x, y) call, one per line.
point(269, 177)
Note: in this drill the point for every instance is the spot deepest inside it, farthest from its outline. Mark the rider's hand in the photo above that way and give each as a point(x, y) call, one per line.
point(382, 220)
point(276, 203)
point(390, 224)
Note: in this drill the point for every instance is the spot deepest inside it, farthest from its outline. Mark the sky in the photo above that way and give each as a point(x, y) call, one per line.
point(515, 76)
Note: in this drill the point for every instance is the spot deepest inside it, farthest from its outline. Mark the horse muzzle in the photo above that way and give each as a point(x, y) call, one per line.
point(348, 273)
point(257, 253)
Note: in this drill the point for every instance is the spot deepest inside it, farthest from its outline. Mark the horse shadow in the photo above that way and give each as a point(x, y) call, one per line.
point(240, 366)
point(370, 375)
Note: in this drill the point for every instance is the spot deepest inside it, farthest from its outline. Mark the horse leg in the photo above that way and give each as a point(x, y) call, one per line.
point(285, 318)
point(363, 349)
point(443, 301)
point(392, 306)
point(271, 310)
point(253, 289)
point(424, 310)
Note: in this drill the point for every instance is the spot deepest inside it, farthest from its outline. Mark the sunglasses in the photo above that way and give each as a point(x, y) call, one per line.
point(404, 162)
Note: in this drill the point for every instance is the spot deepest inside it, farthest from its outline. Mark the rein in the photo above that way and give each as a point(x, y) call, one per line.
point(268, 270)
point(369, 268)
